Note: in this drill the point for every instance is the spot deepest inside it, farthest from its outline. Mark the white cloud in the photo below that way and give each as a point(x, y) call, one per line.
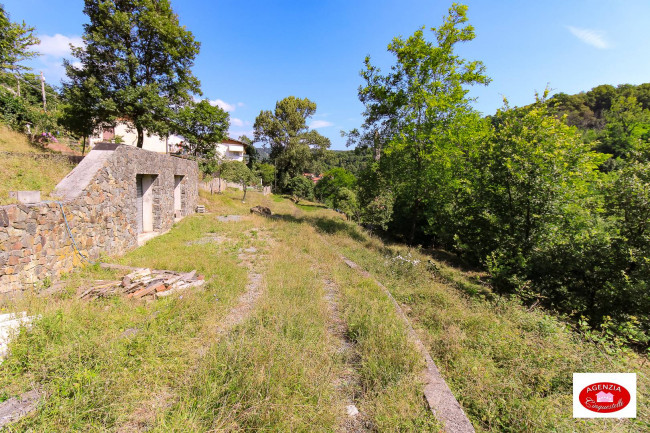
point(236, 122)
point(594, 38)
point(223, 105)
point(320, 124)
point(57, 45)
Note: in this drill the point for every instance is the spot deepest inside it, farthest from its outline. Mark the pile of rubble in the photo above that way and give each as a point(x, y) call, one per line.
point(145, 283)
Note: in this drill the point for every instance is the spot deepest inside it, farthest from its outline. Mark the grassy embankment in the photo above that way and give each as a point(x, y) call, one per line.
point(123, 365)
point(117, 364)
point(26, 172)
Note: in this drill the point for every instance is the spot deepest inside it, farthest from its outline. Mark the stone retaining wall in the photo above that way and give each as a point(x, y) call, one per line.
point(98, 198)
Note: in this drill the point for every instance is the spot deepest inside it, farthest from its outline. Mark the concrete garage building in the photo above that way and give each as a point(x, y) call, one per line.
point(116, 198)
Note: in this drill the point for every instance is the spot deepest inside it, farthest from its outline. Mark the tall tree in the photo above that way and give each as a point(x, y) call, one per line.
point(293, 145)
point(15, 42)
point(140, 58)
point(203, 125)
point(417, 110)
point(238, 172)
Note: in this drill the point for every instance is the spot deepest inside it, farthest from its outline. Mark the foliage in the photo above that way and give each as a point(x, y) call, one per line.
point(203, 126)
point(521, 193)
point(353, 161)
point(328, 187)
point(136, 65)
point(418, 106)
point(346, 201)
point(611, 118)
point(300, 188)
point(16, 39)
point(264, 171)
point(238, 172)
point(294, 147)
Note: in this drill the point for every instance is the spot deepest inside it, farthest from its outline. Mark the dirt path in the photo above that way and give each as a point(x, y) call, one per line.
point(348, 383)
point(144, 415)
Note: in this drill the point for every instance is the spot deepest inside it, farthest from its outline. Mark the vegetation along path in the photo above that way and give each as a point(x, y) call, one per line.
point(286, 337)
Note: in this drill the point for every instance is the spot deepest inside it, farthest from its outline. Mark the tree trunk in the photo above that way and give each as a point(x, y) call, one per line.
point(83, 149)
point(244, 187)
point(140, 136)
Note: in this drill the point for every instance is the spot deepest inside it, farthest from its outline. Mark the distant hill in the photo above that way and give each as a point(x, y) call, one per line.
point(587, 110)
point(351, 160)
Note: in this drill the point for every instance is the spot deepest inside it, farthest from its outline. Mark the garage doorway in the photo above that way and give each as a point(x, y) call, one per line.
point(144, 202)
point(178, 202)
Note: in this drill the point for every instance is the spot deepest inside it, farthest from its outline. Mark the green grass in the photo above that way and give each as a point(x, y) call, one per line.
point(27, 173)
point(280, 369)
point(12, 141)
point(510, 368)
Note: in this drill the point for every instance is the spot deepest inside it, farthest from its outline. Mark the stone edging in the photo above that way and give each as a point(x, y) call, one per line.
point(441, 401)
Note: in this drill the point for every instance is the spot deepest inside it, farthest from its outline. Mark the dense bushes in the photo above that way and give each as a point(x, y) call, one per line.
point(527, 199)
point(523, 193)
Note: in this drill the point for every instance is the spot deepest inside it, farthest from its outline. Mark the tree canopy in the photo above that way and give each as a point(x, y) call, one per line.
point(135, 65)
point(294, 147)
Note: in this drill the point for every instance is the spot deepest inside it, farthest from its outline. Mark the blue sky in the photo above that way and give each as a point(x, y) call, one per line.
point(254, 53)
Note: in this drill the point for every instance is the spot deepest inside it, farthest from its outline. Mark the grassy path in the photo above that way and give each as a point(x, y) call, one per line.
point(285, 337)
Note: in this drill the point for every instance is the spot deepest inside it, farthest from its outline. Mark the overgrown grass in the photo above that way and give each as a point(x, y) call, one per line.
point(122, 365)
point(24, 172)
point(12, 141)
point(115, 363)
point(20, 173)
point(510, 368)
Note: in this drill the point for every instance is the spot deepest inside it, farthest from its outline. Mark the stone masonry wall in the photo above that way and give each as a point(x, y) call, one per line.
point(99, 200)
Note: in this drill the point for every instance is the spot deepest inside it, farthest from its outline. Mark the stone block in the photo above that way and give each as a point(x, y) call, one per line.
point(26, 197)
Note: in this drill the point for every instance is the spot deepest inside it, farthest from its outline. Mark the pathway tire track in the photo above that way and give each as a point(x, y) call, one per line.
point(348, 382)
point(439, 397)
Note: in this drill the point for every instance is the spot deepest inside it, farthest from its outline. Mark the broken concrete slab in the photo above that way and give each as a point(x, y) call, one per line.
point(26, 197)
point(17, 407)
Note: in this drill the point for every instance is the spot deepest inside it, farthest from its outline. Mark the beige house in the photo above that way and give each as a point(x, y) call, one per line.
point(232, 150)
point(129, 136)
point(229, 149)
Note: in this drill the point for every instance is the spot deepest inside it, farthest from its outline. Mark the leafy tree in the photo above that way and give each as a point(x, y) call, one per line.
point(293, 146)
point(79, 113)
point(627, 122)
point(266, 172)
point(416, 110)
point(236, 171)
point(15, 42)
point(203, 126)
point(327, 189)
point(346, 202)
point(533, 197)
point(138, 58)
point(251, 151)
point(300, 188)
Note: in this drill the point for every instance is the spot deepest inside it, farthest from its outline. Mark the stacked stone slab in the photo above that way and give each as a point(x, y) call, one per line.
point(99, 201)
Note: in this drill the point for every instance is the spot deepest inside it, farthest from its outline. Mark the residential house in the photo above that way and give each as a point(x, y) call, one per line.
point(128, 135)
point(229, 150)
point(232, 150)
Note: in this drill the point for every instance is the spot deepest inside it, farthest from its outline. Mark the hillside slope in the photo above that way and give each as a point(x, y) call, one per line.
point(27, 167)
point(285, 336)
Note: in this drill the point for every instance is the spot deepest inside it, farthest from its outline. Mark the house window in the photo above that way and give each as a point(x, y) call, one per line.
point(108, 134)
